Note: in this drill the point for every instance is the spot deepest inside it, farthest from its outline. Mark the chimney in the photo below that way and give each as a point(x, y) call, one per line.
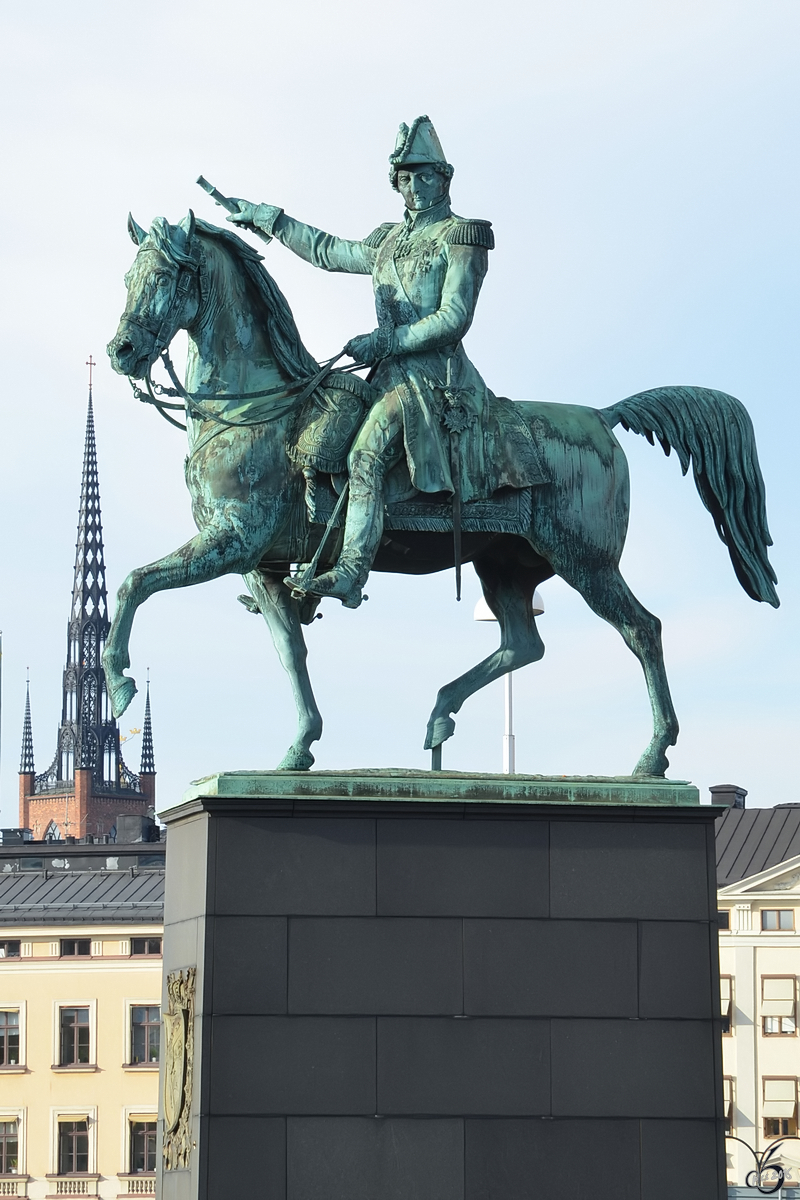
point(729, 794)
point(136, 828)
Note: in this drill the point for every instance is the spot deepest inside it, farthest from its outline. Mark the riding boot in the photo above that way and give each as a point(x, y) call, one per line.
point(362, 533)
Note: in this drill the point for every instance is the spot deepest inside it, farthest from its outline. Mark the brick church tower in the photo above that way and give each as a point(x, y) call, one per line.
point(88, 784)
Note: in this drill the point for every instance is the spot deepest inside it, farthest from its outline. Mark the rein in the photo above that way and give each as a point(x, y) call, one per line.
point(296, 393)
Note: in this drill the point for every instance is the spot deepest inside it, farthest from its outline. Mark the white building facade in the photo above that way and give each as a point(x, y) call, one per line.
point(759, 973)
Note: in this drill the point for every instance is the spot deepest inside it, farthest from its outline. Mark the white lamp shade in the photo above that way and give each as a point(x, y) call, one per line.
point(484, 613)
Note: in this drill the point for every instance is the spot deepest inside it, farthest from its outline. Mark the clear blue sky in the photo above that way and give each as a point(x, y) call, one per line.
point(639, 163)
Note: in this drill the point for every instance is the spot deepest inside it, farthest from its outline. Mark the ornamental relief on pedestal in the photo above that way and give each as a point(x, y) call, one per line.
point(178, 1063)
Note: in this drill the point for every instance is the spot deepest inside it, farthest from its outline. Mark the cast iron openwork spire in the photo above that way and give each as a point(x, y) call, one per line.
point(26, 766)
point(88, 735)
point(148, 763)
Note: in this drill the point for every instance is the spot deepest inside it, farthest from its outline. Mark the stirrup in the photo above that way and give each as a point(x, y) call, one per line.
point(331, 583)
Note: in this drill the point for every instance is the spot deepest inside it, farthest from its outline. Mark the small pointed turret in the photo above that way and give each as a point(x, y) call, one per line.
point(26, 765)
point(148, 764)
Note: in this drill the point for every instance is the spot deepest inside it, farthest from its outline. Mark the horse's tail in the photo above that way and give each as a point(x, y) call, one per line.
point(714, 433)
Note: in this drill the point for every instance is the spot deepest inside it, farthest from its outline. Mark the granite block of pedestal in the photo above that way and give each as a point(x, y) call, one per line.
point(431, 986)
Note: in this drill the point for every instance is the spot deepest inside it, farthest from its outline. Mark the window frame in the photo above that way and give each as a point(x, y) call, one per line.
point(19, 1115)
point(727, 1118)
point(147, 938)
point(765, 1079)
point(21, 1007)
point(764, 1017)
point(127, 1062)
point(729, 1031)
point(73, 1111)
point(724, 912)
point(57, 1065)
point(130, 1114)
point(10, 957)
point(792, 927)
point(76, 955)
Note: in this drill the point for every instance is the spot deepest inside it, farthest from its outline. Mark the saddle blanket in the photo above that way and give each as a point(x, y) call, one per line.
point(508, 511)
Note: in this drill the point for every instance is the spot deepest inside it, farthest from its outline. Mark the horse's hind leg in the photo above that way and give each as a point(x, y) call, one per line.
point(607, 593)
point(206, 556)
point(282, 616)
point(508, 587)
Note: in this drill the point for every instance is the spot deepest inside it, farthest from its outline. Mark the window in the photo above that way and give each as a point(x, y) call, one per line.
point(74, 1027)
point(145, 1033)
point(724, 918)
point(780, 1127)
point(727, 1095)
point(777, 919)
point(143, 1144)
point(780, 1107)
point(76, 946)
point(778, 998)
point(9, 1144)
point(151, 946)
point(73, 1145)
point(9, 949)
point(726, 1001)
point(9, 1038)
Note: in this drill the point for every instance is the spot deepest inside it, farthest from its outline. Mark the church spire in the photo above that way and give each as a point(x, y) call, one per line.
point(148, 764)
point(88, 736)
point(26, 766)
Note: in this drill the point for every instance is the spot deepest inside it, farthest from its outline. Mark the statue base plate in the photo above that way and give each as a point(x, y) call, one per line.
point(437, 986)
point(449, 787)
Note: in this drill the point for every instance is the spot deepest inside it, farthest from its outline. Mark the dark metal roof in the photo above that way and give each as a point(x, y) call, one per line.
point(81, 897)
point(750, 840)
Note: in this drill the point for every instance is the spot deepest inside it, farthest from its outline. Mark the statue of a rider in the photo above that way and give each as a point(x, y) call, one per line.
point(434, 417)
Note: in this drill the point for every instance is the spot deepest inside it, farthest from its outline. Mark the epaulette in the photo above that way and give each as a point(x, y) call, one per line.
point(377, 236)
point(471, 233)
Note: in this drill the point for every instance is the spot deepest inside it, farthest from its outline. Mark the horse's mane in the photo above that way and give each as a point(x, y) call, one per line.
point(284, 337)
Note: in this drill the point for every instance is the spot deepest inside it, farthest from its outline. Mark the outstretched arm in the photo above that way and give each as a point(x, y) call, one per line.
point(320, 249)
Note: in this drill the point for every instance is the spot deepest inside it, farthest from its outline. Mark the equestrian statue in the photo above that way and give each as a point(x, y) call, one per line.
point(417, 467)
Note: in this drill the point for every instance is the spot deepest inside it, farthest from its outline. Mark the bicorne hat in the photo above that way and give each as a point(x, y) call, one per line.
point(416, 145)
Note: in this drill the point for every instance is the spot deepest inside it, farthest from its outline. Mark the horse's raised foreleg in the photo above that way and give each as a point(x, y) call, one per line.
point(207, 556)
point(283, 620)
point(607, 593)
point(508, 588)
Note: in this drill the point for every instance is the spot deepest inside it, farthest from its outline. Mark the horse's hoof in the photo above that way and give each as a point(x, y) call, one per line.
point(653, 763)
point(296, 759)
point(439, 731)
point(121, 696)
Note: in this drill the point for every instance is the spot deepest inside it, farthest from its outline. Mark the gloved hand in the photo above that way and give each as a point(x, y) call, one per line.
point(370, 348)
point(254, 216)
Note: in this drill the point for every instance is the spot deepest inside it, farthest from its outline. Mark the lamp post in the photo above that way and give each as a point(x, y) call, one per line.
point(484, 613)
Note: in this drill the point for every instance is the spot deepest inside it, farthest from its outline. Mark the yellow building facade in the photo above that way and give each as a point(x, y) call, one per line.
point(80, 1025)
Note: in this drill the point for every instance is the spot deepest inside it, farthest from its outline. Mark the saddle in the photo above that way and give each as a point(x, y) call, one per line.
point(321, 441)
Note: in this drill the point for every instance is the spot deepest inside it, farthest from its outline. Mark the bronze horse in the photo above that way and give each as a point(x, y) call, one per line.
point(248, 491)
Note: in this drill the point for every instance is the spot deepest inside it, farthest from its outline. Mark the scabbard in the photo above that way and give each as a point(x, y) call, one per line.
point(455, 471)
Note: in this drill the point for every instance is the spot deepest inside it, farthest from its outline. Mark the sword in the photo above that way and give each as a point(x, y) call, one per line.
point(455, 471)
point(231, 207)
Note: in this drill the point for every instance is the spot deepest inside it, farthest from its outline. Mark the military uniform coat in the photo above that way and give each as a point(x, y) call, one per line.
point(427, 272)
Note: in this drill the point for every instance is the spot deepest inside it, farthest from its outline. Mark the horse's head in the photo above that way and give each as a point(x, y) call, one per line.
point(163, 293)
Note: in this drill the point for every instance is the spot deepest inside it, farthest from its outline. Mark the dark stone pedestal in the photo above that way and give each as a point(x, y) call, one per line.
point(435, 987)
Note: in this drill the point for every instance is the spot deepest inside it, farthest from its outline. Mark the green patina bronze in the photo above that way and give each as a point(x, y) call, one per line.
point(445, 787)
point(415, 468)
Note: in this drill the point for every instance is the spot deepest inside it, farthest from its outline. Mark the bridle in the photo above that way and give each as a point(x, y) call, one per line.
point(162, 332)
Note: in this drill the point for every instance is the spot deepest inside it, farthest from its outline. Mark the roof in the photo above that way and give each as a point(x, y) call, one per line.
point(750, 840)
point(81, 897)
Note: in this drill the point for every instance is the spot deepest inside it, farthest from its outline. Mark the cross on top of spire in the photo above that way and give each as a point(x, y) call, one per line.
point(91, 364)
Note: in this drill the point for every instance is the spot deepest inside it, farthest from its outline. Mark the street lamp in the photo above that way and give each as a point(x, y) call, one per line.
point(484, 613)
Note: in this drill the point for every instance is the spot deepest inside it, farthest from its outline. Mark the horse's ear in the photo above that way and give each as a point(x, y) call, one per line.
point(137, 234)
point(188, 225)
